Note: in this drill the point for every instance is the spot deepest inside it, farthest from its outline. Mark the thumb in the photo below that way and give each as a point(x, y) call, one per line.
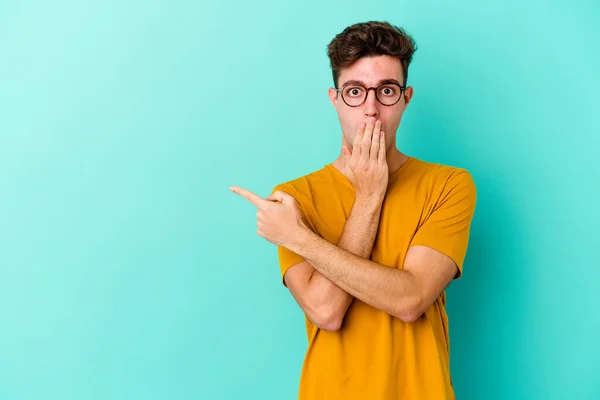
point(277, 196)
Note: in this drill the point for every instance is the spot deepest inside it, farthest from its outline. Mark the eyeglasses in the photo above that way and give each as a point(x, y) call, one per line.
point(387, 94)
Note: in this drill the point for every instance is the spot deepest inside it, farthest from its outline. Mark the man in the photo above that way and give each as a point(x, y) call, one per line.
point(368, 244)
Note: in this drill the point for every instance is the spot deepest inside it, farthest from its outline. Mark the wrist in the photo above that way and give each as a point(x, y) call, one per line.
point(368, 203)
point(297, 242)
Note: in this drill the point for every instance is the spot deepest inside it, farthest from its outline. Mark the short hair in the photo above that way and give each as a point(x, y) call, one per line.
point(367, 39)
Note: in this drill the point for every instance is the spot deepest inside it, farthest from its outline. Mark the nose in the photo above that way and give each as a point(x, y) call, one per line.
point(371, 104)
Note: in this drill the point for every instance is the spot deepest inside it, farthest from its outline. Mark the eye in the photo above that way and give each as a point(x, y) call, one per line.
point(354, 91)
point(388, 91)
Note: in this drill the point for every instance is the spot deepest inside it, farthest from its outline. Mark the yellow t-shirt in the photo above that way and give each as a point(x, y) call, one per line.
point(375, 356)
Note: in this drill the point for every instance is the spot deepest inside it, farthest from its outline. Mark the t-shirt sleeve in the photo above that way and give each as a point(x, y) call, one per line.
point(288, 258)
point(448, 226)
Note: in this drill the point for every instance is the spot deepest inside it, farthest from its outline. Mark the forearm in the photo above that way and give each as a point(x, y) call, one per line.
point(388, 289)
point(358, 237)
point(360, 230)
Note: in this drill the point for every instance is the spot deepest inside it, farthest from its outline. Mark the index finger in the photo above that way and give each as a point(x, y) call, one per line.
point(248, 195)
point(356, 148)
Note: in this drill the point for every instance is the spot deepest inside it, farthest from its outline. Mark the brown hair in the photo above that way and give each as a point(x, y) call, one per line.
point(367, 39)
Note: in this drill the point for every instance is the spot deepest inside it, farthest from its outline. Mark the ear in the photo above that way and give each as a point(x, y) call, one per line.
point(408, 94)
point(332, 96)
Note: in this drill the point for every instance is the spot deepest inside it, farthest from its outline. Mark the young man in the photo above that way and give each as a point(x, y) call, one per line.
point(368, 244)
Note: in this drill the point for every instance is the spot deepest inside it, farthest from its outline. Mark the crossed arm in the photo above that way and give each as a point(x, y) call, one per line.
point(325, 284)
point(324, 302)
point(403, 293)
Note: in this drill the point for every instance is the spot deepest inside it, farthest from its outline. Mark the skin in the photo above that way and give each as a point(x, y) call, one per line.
point(332, 275)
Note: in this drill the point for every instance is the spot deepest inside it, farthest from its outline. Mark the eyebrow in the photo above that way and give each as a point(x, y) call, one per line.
point(381, 82)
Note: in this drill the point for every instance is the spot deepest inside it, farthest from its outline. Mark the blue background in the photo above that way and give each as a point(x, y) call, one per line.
point(129, 271)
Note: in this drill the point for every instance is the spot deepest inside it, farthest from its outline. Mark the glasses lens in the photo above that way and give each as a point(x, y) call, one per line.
point(354, 95)
point(388, 94)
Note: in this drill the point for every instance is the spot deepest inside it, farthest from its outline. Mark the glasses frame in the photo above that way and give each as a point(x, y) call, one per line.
point(402, 89)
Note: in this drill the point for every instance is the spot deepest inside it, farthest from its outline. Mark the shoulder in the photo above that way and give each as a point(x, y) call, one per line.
point(444, 177)
point(302, 187)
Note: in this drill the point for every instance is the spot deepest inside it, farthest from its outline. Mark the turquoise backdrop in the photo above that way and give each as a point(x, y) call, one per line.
point(129, 271)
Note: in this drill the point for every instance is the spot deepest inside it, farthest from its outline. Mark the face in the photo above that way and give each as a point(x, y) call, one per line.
point(371, 71)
